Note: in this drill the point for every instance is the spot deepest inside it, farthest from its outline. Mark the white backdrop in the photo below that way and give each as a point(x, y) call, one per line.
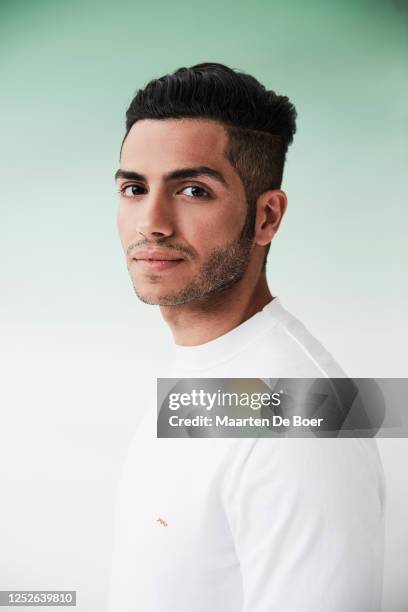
point(76, 343)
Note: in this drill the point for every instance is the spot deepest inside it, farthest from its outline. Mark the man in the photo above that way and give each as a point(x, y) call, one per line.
point(230, 525)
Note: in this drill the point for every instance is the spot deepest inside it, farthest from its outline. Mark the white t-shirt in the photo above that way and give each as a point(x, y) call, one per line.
point(252, 524)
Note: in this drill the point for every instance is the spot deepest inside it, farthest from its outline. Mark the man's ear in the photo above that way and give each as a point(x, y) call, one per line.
point(270, 208)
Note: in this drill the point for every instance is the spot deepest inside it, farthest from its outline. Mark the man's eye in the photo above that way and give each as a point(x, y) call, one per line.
point(194, 191)
point(130, 191)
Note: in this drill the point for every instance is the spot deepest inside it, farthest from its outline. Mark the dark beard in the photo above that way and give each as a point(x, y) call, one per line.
point(223, 268)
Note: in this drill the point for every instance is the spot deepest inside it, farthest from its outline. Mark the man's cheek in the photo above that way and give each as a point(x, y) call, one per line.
point(210, 237)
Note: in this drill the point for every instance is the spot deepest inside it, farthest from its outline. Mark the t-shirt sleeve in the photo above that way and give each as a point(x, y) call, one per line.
point(307, 520)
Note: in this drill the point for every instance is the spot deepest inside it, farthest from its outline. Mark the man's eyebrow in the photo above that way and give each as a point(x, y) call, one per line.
point(181, 173)
point(186, 173)
point(128, 174)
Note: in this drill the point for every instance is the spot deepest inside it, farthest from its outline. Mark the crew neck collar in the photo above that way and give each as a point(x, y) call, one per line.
point(224, 347)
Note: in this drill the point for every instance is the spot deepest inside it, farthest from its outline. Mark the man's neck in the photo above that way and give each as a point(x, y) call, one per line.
point(200, 321)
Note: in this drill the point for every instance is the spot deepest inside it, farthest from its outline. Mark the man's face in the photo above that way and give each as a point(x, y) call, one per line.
point(183, 213)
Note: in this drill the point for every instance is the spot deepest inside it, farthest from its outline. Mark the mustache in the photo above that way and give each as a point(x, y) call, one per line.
point(181, 248)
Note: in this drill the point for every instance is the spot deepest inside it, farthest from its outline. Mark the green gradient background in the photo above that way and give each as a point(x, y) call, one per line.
point(69, 71)
point(73, 331)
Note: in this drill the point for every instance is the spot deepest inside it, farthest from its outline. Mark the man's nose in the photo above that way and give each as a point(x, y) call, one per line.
point(155, 218)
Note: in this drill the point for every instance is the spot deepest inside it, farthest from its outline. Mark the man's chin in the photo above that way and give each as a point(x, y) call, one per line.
point(160, 299)
point(193, 292)
point(173, 298)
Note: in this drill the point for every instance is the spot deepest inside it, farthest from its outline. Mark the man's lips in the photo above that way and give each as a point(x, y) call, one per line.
point(156, 260)
point(156, 256)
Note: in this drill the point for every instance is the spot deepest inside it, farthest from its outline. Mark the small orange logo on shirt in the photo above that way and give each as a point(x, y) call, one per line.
point(161, 521)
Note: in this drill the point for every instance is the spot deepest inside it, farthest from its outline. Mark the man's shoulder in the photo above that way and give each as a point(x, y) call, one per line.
point(289, 346)
point(309, 465)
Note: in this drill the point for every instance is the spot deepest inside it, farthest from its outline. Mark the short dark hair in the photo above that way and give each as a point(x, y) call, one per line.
point(259, 123)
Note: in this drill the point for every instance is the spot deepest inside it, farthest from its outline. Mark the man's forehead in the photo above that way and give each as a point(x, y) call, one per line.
point(195, 139)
